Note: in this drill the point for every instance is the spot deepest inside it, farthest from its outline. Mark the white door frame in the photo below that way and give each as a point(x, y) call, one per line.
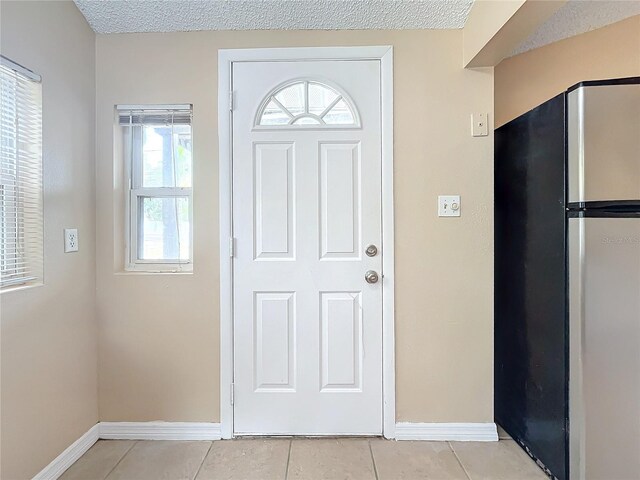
point(226, 58)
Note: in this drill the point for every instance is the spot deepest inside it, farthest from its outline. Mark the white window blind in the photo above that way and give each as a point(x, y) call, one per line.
point(21, 216)
point(157, 150)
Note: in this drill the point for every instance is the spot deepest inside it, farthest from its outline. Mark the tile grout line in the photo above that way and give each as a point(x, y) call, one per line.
point(203, 460)
point(373, 460)
point(459, 461)
point(286, 470)
point(121, 458)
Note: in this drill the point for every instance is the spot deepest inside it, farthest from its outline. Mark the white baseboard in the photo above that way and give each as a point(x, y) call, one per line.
point(458, 432)
point(477, 432)
point(128, 431)
point(160, 431)
point(70, 455)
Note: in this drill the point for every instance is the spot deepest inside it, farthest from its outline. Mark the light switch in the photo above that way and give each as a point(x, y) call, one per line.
point(449, 206)
point(479, 127)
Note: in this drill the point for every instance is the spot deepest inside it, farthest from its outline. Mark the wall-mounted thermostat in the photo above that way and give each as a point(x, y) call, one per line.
point(449, 206)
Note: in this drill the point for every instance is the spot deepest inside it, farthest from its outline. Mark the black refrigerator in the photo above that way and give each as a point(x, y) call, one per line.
point(567, 281)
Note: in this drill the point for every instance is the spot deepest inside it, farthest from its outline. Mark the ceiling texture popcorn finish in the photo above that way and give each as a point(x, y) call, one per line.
point(576, 17)
point(129, 16)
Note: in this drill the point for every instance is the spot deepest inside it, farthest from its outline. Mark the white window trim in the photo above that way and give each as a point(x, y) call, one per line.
point(169, 265)
point(21, 70)
point(132, 229)
point(226, 58)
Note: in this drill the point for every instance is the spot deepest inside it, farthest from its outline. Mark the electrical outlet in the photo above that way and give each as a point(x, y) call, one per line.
point(70, 240)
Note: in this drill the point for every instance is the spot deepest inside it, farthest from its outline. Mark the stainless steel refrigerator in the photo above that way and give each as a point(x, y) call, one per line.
point(567, 281)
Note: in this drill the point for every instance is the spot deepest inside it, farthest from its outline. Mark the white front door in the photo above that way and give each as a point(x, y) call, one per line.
point(306, 205)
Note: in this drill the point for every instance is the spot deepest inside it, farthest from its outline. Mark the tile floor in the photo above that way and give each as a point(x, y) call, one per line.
point(308, 459)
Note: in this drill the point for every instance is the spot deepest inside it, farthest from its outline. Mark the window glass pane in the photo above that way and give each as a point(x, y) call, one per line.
point(166, 156)
point(308, 100)
point(306, 121)
point(320, 97)
point(163, 228)
point(292, 98)
point(273, 115)
point(339, 115)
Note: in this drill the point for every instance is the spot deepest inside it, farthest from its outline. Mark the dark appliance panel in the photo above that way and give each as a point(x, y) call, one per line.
point(531, 384)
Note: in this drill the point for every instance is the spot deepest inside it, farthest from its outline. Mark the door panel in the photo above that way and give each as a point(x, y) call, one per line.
point(306, 204)
point(340, 200)
point(274, 200)
point(341, 340)
point(274, 351)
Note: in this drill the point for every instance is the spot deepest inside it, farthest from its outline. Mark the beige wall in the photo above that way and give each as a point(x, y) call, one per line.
point(496, 27)
point(158, 334)
point(485, 20)
point(49, 335)
point(526, 80)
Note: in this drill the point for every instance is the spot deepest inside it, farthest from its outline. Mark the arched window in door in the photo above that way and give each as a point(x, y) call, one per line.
point(307, 104)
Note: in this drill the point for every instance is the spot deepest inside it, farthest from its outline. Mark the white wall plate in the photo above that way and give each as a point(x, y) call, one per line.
point(449, 206)
point(70, 240)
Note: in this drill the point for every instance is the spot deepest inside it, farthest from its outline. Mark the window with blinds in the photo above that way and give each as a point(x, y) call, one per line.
point(157, 148)
point(21, 216)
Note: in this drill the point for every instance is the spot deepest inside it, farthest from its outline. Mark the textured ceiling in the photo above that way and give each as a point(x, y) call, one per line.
point(120, 16)
point(579, 16)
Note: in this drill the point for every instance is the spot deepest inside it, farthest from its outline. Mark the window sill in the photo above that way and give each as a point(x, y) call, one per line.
point(157, 270)
point(20, 287)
